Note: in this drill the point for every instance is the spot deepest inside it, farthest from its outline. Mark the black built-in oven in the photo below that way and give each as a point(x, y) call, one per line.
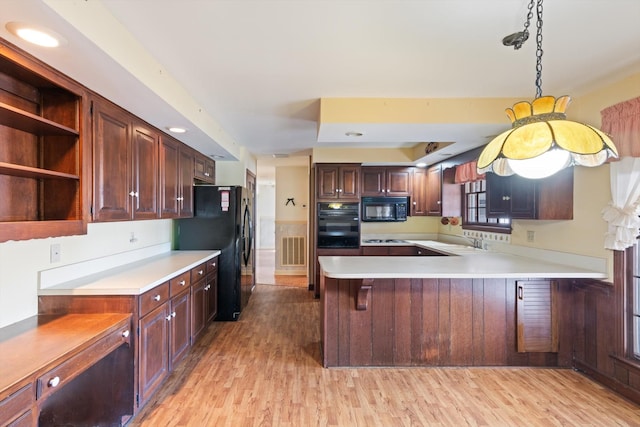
point(338, 225)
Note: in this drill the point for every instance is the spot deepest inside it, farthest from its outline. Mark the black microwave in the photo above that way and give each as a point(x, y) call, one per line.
point(384, 209)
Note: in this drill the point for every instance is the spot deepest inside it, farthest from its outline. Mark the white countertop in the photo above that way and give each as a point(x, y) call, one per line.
point(134, 278)
point(465, 263)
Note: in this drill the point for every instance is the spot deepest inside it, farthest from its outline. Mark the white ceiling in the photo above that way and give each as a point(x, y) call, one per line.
point(250, 73)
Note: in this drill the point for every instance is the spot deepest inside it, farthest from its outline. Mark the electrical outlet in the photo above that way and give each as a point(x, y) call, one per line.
point(531, 236)
point(55, 252)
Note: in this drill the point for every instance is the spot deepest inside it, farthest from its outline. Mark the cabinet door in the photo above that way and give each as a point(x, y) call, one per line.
point(327, 182)
point(373, 181)
point(180, 328)
point(537, 315)
point(349, 182)
point(498, 195)
point(211, 297)
point(153, 352)
point(399, 182)
point(186, 182)
point(204, 168)
point(419, 193)
point(169, 178)
point(198, 308)
point(111, 162)
point(523, 197)
point(145, 173)
point(434, 191)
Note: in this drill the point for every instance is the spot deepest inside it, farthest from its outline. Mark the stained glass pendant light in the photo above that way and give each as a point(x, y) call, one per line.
point(542, 141)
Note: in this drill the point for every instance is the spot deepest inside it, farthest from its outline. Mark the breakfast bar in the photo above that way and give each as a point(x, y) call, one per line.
point(473, 308)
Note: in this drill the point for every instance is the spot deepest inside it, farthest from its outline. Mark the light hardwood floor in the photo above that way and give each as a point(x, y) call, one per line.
point(264, 370)
point(265, 271)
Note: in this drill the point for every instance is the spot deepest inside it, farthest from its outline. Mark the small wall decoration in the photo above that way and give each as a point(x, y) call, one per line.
point(290, 200)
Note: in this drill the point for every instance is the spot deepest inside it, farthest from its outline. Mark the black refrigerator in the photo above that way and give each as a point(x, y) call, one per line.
point(223, 221)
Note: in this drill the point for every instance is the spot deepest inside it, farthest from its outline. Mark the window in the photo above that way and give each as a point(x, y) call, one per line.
point(475, 214)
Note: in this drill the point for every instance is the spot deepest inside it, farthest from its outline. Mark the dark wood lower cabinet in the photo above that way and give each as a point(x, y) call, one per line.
point(153, 354)
point(63, 370)
point(430, 322)
point(167, 318)
point(179, 328)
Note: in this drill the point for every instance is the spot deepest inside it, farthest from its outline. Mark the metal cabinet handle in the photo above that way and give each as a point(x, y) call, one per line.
point(206, 174)
point(173, 314)
point(53, 382)
point(182, 283)
point(520, 292)
point(125, 334)
point(157, 297)
point(168, 317)
point(201, 272)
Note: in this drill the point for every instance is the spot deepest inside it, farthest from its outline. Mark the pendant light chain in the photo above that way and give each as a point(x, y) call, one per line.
point(539, 50)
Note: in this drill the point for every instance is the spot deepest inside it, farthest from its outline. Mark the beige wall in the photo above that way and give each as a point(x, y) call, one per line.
point(235, 172)
point(292, 182)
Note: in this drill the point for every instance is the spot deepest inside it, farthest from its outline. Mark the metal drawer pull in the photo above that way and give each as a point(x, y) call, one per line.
point(125, 334)
point(157, 297)
point(168, 317)
point(201, 272)
point(182, 282)
point(173, 314)
point(53, 382)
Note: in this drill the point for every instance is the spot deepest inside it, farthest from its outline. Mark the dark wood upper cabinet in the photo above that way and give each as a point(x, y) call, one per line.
point(186, 181)
point(44, 164)
point(169, 178)
point(521, 198)
point(419, 193)
point(176, 179)
point(111, 162)
point(337, 181)
point(145, 172)
point(204, 169)
point(434, 191)
point(125, 165)
point(386, 181)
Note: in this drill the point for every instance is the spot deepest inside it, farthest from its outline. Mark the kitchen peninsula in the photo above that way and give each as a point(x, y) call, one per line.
point(472, 308)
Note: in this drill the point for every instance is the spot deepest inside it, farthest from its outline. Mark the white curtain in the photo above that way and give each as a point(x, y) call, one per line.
point(622, 122)
point(624, 208)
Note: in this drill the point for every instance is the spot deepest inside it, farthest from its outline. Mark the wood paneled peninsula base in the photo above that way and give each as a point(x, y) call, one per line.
point(477, 310)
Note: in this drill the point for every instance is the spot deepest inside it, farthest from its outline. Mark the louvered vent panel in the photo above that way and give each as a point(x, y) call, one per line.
point(293, 251)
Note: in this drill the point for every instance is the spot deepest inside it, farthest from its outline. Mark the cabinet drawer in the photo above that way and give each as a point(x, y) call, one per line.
point(153, 298)
point(198, 272)
point(16, 404)
point(180, 283)
point(25, 420)
point(57, 377)
point(212, 265)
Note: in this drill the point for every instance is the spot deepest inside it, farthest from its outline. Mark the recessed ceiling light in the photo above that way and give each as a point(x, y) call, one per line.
point(35, 34)
point(176, 129)
point(353, 133)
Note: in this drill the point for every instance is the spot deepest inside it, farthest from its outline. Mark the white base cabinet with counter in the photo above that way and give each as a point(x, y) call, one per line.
point(170, 300)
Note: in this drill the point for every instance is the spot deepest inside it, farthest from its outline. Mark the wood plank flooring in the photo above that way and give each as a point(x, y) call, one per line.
point(264, 370)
